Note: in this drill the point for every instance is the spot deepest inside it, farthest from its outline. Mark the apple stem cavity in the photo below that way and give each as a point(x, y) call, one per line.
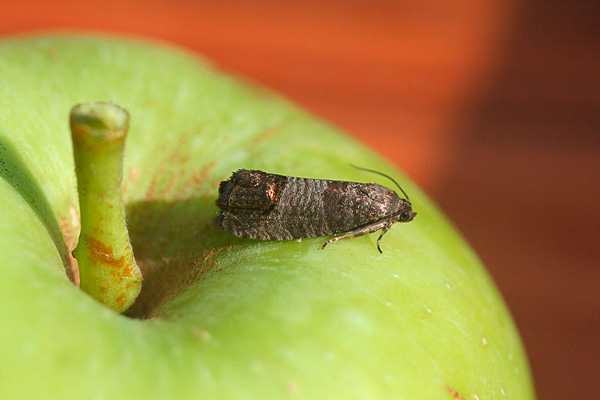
point(107, 267)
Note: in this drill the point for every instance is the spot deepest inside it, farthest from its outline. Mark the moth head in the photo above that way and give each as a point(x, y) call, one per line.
point(407, 214)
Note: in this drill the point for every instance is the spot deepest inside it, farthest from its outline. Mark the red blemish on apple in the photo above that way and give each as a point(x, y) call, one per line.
point(132, 177)
point(455, 394)
point(133, 174)
point(182, 140)
point(174, 158)
point(195, 182)
point(264, 136)
point(150, 193)
point(178, 158)
point(53, 55)
point(121, 299)
point(177, 185)
point(173, 179)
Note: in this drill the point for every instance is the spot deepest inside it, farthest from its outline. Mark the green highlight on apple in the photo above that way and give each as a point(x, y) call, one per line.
point(107, 268)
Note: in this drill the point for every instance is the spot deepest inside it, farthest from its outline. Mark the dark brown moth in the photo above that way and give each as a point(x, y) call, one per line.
point(260, 205)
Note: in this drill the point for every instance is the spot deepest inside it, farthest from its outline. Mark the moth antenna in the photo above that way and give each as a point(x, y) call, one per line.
point(382, 174)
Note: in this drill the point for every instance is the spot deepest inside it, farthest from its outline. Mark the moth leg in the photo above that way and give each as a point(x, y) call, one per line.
point(386, 227)
point(364, 230)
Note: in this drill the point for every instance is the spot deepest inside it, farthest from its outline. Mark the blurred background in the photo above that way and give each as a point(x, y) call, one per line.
point(492, 106)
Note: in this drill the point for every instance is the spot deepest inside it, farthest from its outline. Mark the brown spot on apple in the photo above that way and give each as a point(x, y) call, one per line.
point(101, 253)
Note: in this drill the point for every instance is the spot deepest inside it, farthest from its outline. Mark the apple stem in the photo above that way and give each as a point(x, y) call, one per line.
point(107, 267)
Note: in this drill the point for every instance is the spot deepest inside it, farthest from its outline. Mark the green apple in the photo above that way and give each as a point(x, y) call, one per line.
point(220, 317)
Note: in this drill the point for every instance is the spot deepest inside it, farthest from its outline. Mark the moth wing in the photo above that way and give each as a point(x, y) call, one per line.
point(248, 203)
point(251, 224)
point(250, 191)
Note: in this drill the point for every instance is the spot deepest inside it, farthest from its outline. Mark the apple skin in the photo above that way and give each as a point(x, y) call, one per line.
point(222, 317)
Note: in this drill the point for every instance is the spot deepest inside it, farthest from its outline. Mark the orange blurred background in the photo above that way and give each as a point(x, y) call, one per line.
point(493, 107)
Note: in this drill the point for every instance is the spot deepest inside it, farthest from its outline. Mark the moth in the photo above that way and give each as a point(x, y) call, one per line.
point(259, 205)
